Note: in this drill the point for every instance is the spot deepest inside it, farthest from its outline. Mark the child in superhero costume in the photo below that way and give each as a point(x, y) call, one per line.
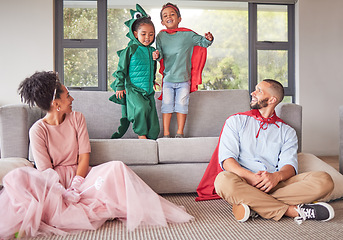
point(135, 75)
point(182, 55)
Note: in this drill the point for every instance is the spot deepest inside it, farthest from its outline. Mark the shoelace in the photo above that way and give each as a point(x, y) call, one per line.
point(304, 213)
point(253, 215)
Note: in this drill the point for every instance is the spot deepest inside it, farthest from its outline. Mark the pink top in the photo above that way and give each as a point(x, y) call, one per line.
point(55, 146)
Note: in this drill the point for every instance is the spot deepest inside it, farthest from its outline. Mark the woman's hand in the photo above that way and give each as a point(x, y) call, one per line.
point(72, 194)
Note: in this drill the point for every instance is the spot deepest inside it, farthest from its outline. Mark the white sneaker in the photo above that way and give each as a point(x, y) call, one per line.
point(242, 212)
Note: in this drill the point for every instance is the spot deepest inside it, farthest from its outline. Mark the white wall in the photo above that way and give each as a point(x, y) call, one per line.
point(26, 46)
point(320, 73)
point(26, 43)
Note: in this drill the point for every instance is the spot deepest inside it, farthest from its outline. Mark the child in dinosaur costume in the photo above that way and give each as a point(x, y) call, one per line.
point(135, 75)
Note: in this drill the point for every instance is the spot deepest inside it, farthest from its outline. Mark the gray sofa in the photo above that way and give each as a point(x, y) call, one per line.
point(166, 165)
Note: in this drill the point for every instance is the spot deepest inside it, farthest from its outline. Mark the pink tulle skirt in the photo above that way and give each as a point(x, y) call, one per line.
point(31, 202)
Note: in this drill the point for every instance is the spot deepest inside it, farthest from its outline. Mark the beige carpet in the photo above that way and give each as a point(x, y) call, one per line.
point(214, 220)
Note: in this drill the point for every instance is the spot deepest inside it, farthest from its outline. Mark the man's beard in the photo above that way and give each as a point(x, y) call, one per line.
point(260, 104)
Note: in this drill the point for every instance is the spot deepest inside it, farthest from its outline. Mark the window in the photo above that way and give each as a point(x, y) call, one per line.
point(271, 48)
point(81, 43)
point(252, 41)
point(227, 60)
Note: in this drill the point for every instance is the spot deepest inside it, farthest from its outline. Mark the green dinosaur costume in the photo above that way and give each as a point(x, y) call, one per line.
point(136, 74)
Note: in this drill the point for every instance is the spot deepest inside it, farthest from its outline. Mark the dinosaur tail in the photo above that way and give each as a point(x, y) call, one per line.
point(124, 125)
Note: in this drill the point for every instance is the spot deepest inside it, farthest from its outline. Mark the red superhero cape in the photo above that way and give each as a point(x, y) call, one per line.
point(206, 189)
point(198, 61)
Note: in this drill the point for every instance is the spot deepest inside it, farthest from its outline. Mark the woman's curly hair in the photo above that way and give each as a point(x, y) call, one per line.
point(39, 89)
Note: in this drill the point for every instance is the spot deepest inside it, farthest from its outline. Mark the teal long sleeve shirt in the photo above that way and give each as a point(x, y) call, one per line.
point(176, 51)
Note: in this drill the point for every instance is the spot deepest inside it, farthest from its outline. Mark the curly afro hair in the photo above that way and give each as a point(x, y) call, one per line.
point(39, 89)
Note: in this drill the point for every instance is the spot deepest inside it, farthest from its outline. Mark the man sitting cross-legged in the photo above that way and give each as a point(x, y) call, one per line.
point(258, 153)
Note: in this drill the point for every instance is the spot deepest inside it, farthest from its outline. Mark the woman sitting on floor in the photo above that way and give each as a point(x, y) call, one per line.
point(64, 194)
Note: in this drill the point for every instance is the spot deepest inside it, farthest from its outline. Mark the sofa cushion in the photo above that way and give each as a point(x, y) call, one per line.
point(208, 111)
point(292, 115)
point(8, 164)
point(129, 151)
point(103, 123)
point(186, 150)
point(15, 123)
point(171, 178)
point(308, 162)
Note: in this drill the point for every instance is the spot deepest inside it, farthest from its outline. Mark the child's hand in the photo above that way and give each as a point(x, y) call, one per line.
point(209, 36)
point(155, 55)
point(120, 94)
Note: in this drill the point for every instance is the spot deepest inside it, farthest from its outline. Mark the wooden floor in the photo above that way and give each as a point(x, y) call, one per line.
point(332, 160)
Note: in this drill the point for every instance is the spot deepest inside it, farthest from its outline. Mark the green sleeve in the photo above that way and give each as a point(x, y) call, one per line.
point(201, 41)
point(123, 68)
point(159, 47)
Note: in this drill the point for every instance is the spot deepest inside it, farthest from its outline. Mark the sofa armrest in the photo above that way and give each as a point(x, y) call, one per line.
point(292, 115)
point(15, 122)
point(8, 164)
point(341, 139)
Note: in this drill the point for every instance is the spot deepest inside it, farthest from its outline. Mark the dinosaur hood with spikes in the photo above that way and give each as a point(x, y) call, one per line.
point(135, 14)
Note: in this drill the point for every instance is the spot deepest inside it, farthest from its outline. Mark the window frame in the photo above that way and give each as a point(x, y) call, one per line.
point(255, 45)
point(101, 45)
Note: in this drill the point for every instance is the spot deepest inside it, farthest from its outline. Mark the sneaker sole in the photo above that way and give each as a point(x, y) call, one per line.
point(329, 208)
point(241, 212)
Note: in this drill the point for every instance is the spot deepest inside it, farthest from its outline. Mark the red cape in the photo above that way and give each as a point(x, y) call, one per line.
point(206, 189)
point(198, 61)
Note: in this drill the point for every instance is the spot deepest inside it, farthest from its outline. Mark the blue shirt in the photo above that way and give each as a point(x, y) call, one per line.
point(274, 147)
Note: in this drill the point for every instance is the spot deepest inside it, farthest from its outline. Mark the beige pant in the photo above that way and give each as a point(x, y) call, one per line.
point(302, 188)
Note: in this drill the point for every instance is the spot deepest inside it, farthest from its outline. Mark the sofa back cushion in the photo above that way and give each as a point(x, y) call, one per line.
point(292, 115)
point(102, 116)
point(15, 122)
point(208, 111)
